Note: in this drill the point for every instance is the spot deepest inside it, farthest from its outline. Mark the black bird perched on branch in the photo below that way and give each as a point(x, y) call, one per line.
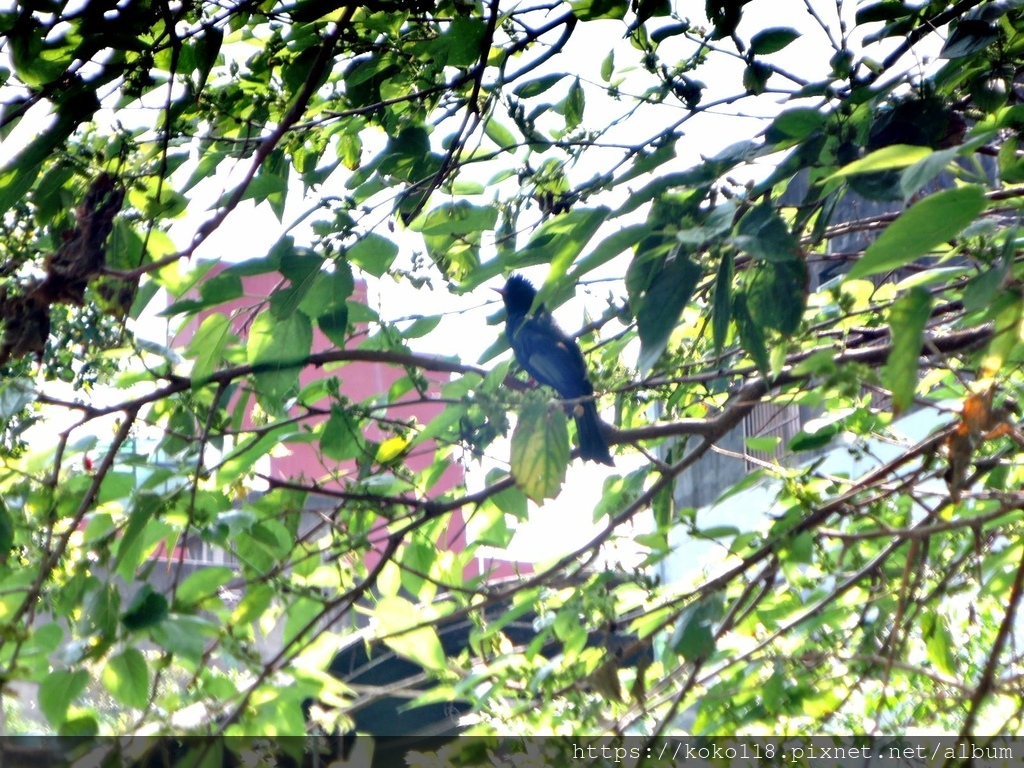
point(553, 357)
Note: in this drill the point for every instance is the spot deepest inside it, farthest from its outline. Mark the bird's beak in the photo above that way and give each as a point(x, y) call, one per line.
point(499, 291)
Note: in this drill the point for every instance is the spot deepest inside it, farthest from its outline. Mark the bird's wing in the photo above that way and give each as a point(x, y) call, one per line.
point(551, 356)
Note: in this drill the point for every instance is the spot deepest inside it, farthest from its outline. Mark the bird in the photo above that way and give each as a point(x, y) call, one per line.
point(553, 358)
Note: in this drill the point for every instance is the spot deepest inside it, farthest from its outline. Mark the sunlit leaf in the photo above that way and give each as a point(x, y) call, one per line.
point(588, 10)
point(693, 637)
point(202, 585)
point(561, 239)
point(373, 253)
point(276, 350)
point(208, 345)
point(926, 225)
point(540, 451)
point(59, 690)
point(394, 616)
point(126, 677)
point(884, 159)
point(939, 643)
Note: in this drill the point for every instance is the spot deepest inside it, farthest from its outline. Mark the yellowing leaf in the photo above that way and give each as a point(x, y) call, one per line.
point(540, 451)
point(884, 159)
point(421, 645)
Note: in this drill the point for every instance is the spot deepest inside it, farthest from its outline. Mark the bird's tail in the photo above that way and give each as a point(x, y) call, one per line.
point(593, 446)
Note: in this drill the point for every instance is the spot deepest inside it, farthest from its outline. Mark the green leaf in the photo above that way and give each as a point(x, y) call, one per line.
point(207, 48)
point(510, 501)
point(926, 225)
point(763, 233)
point(609, 248)
point(809, 441)
point(540, 451)
point(100, 608)
point(126, 676)
point(184, 636)
point(459, 218)
point(970, 36)
point(81, 725)
point(721, 312)
point(329, 291)
point(884, 159)
point(15, 183)
point(693, 637)
point(421, 326)
point(727, 531)
point(662, 305)
point(208, 345)
point(373, 254)
point(248, 452)
point(220, 289)
point(756, 76)
point(147, 609)
point(926, 169)
point(462, 42)
point(341, 437)
point(6, 531)
point(663, 33)
point(589, 10)
point(719, 220)
point(36, 62)
point(263, 187)
point(1008, 310)
point(939, 643)
point(777, 294)
point(421, 646)
point(488, 526)
point(536, 87)
point(299, 616)
point(253, 606)
point(499, 134)
point(15, 396)
point(58, 691)
point(886, 10)
point(796, 123)
point(575, 103)
point(750, 332)
point(907, 319)
point(772, 40)
point(277, 349)
point(202, 585)
point(560, 239)
point(766, 444)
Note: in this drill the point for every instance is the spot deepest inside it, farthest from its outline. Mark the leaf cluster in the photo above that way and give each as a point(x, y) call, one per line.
point(832, 298)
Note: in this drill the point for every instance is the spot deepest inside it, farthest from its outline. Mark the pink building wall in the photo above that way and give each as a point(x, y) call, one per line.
point(359, 381)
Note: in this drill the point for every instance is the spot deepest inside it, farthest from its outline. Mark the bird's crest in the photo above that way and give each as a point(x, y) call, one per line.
point(519, 294)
